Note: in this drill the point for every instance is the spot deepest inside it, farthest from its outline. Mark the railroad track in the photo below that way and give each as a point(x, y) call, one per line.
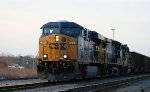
point(107, 86)
point(16, 84)
point(23, 87)
point(76, 86)
point(18, 79)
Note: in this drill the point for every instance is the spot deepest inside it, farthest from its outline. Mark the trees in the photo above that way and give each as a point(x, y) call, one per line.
point(17, 66)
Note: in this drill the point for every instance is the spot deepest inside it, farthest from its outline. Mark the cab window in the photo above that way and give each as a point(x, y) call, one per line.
point(73, 32)
point(48, 31)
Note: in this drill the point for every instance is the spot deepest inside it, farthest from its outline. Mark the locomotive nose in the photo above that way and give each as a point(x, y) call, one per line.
point(57, 47)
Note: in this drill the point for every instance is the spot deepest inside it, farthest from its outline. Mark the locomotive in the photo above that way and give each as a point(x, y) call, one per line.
point(69, 51)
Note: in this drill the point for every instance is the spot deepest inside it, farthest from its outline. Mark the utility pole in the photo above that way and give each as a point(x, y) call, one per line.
point(113, 33)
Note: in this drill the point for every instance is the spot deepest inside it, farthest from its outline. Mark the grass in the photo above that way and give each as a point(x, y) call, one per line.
point(17, 73)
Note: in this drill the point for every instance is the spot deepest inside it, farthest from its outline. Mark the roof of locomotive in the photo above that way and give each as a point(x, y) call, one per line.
point(61, 24)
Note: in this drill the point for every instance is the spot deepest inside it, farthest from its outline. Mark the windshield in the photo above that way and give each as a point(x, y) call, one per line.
point(73, 32)
point(48, 31)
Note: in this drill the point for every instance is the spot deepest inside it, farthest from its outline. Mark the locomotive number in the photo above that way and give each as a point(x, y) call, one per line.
point(72, 43)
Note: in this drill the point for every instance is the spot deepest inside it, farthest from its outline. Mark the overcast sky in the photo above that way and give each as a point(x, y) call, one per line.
point(20, 21)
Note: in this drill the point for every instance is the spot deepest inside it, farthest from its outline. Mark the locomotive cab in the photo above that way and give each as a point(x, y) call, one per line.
point(58, 50)
point(58, 43)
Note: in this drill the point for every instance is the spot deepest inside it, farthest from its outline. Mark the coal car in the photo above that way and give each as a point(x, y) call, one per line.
point(139, 63)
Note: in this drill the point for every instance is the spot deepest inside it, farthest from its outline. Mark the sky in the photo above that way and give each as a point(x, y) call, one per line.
point(20, 21)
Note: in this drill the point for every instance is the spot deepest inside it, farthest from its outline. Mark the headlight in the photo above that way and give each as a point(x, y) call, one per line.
point(57, 38)
point(65, 56)
point(45, 56)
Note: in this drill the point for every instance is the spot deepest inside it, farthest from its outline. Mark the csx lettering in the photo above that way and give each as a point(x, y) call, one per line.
point(57, 46)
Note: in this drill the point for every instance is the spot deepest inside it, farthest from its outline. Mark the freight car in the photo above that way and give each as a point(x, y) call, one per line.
point(139, 63)
point(70, 51)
